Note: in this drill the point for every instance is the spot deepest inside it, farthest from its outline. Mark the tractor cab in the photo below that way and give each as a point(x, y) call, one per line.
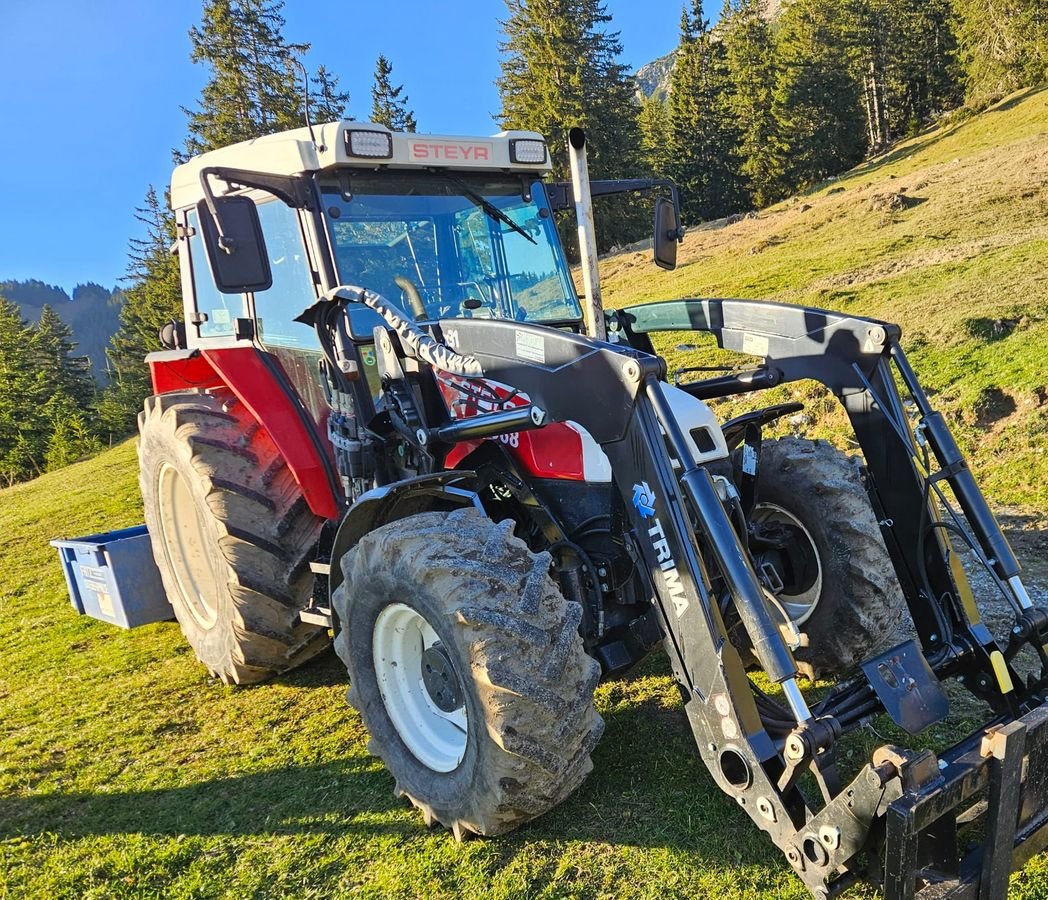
point(446, 226)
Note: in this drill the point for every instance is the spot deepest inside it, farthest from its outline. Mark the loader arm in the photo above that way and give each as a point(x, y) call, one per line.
point(681, 538)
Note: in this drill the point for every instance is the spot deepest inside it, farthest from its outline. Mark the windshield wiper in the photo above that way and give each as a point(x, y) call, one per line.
point(490, 208)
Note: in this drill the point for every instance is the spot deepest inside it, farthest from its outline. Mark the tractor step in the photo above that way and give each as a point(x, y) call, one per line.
point(317, 615)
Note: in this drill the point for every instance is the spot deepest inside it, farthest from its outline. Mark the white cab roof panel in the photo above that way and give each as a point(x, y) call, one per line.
point(293, 153)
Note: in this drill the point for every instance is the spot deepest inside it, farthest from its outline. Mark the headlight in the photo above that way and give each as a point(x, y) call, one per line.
point(527, 151)
point(370, 144)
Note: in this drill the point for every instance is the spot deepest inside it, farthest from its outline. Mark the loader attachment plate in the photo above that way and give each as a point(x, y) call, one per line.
point(907, 687)
point(996, 779)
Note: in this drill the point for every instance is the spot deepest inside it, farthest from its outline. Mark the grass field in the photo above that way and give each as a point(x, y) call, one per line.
point(126, 772)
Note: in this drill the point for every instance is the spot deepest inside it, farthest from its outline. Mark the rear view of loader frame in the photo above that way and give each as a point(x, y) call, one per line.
point(899, 818)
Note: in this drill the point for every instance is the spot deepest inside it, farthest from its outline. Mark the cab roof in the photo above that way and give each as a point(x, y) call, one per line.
point(363, 144)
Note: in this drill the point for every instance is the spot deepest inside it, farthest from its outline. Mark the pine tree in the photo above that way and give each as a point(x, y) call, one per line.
point(69, 434)
point(254, 89)
point(656, 135)
point(705, 138)
point(254, 85)
point(561, 70)
point(152, 299)
point(327, 102)
point(924, 77)
point(816, 102)
point(22, 434)
point(58, 370)
point(387, 106)
point(749, 49)
point(1003, 45)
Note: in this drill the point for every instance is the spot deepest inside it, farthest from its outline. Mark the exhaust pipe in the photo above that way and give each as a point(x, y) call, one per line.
point(593, 305)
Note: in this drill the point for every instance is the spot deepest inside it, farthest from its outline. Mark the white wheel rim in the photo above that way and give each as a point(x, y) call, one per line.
point(800, 606)
point(184, 547)
point(435, 737)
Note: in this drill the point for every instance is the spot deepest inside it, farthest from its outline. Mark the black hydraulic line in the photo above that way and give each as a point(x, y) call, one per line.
point(855, 715)
point(952, 462)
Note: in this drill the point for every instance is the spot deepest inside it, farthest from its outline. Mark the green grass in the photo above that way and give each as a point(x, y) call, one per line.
point(961, 265)
point(126, 772)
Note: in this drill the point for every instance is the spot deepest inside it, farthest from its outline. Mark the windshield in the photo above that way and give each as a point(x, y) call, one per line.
point(471, 244)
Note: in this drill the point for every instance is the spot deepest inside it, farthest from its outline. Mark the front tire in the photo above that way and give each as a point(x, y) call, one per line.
point(231, 532)
point(467, 668)
point(841, 588)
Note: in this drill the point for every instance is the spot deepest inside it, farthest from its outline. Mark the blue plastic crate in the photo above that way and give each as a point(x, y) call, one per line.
point(113, 577)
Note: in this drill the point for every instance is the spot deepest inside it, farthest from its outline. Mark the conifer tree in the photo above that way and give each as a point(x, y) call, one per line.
point(1003, 45)
point(153, 297)
point(387, 106)
point(22, 436)
point(57, 369)
point(327, 102)
point(561, 70)
point(749, 50)
point(656, 135)
point(254, 85)
point(816, 100)
point(254, 89)
point(705, 138)
point(924, 77)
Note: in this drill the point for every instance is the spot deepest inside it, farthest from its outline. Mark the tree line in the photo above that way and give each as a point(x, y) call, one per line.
point(759, 106)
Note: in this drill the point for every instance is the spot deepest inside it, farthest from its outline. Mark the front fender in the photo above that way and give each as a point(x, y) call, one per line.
point(438, 491)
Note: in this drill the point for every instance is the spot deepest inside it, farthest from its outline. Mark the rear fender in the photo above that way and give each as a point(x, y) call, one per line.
point(439, 491)
point(259, 382)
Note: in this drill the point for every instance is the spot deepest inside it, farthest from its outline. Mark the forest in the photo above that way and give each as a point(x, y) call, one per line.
point(769, 100)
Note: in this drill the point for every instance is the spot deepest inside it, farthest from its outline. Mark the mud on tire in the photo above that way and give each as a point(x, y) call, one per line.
point(860, 606)
point(232, 534)
point(513, 643)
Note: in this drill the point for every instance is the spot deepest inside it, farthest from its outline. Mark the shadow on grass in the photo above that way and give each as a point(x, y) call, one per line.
point(328, 798)
point(649, 788)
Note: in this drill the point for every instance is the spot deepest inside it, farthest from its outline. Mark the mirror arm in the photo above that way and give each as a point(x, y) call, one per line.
point(223, 241)
point(295, 191)
point(560, 197)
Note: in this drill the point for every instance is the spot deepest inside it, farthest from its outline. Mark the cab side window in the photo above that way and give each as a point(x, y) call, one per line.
point(220, 309)
point(293, 289)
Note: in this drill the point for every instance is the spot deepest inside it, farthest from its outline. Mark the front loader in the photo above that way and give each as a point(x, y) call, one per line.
point(388, 422)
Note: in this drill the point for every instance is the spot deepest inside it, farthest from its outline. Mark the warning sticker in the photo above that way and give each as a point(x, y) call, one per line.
point(531, 347)
point(756, 344)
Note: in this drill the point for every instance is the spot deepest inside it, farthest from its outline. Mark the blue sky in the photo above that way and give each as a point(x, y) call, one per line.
point(90, 97)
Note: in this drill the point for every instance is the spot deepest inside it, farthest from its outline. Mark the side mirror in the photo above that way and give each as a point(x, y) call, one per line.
point(236, 249)
point(667, 233)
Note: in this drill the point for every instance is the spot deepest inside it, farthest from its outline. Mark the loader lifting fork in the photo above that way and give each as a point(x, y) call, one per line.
point(492, 510)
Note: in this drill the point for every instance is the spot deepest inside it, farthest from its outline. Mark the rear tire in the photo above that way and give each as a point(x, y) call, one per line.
point(855, 607)
point(231, 532)
point(511, 736)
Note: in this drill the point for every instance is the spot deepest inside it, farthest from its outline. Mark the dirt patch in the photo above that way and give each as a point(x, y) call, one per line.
point(994, 404)
point(991, 330)
point(894, 201)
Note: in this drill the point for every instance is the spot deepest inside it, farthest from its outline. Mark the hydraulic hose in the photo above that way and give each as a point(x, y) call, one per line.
point(427, 349)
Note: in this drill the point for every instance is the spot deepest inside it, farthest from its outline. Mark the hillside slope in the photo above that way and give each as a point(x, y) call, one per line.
point(946, 235)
